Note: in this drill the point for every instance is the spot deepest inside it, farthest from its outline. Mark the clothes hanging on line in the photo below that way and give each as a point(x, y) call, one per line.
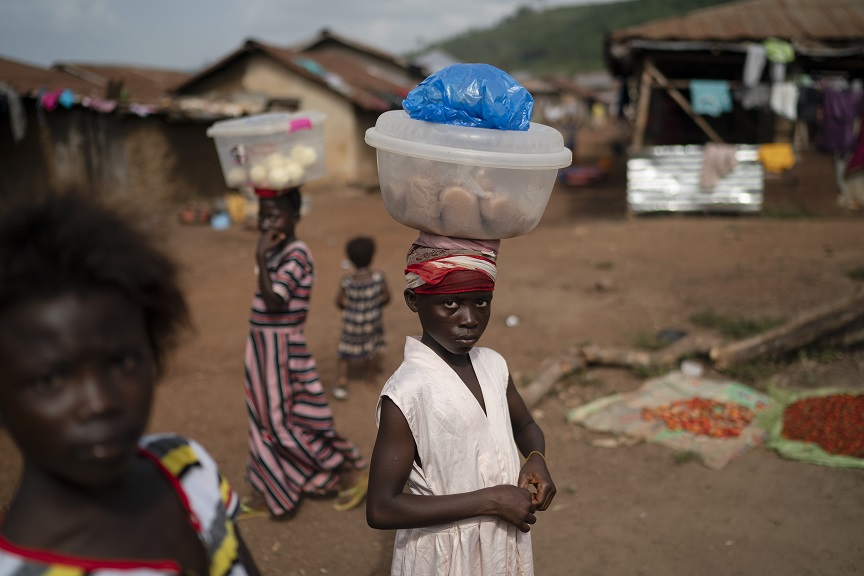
point(841, 110)
point(754, 64)
point(17, 116)
point(718, 160)
point(710, 97)
point(784, 99)
point(776, 157)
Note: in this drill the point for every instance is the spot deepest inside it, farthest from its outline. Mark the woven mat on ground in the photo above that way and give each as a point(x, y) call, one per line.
point(772, 420)
point(622, 414)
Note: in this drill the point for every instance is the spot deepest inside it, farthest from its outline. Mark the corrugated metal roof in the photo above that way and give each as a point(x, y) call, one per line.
point(326, 37)
point(28, 80)
point(342, 75)
point(814, 20)
point(142, 85)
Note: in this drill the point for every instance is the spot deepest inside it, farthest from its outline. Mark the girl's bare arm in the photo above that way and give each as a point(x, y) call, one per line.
point(530, 440)
point(341, 298)
point(388, 507)
point(385, 294)
point(266, 242)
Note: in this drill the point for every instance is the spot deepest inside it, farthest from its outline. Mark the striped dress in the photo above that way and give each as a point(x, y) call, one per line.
point(362, 326)
point(293, 446)
point(211, 503)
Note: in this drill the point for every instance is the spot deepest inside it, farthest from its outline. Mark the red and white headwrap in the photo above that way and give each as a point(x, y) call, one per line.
point(445, 265)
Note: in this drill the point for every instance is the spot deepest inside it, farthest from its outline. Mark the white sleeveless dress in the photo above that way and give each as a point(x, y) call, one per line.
point(462, 450)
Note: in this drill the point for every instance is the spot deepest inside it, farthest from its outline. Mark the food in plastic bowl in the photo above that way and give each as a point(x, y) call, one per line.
point(273, 151)
point(463, 181)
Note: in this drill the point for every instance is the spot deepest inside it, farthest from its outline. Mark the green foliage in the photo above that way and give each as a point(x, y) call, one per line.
point(650, 371)
point(755, 374)
point(649, 341)
point(686, 456)
point(856, 274)
point(786, 213)
point(559, 40)
point(734, 326)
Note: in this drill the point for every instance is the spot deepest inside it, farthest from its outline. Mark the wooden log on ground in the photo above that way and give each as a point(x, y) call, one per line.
point(691, 345)
point(551, 371)
point(617, 357)
point(849, 337)
point(688, 346)
point(803, 330)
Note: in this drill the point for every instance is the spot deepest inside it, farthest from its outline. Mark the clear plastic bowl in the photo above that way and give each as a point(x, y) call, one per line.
point(273, 151)
point(466, 182)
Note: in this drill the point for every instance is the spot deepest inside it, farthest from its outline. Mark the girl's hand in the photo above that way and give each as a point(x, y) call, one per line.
point(534, 473)
point(268, 240)
point(513, 505)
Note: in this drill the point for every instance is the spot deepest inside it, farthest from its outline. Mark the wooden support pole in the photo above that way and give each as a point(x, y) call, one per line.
point(807, 328)
point(679, 98)
point(645, 86)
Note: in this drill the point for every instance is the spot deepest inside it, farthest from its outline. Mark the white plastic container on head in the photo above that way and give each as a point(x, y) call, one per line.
point(466, 182)
point(272, 151)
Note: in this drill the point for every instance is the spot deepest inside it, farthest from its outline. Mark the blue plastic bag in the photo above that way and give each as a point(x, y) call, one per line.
point(477, 95)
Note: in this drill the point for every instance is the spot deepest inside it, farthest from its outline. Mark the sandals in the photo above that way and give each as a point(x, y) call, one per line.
point(247, 510)
point(351, 498)
point(246, 513)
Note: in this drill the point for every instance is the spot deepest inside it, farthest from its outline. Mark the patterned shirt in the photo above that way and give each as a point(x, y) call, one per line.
point(211, 502)
point(292, 272)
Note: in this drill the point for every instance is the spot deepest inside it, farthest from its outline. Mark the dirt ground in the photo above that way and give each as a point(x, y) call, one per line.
point(587, 273)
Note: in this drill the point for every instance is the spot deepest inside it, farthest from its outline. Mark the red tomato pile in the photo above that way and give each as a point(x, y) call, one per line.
point(835, 423)
point(703, 416)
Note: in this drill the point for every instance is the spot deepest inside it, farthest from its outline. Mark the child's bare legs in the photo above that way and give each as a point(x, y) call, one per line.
point(371, 368)
point(340, 392)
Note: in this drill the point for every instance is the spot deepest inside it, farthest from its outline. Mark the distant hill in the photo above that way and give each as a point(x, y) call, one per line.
point(563, 40)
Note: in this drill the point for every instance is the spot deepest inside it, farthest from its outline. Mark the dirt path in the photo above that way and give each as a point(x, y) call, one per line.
point(586, 274)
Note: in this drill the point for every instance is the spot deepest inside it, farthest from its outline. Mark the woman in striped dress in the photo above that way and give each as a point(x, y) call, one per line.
point(362, 296)
point(293, 446)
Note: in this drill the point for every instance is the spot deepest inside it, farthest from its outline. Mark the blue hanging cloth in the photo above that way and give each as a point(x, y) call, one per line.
point(710, 97)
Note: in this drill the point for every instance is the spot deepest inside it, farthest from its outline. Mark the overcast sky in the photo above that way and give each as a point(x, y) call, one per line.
point(187, 34)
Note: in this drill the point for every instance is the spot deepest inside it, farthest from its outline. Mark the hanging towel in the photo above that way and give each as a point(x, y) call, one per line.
point(776, 157)
point(841, 108)
point(755, 97)
point(99, 105)
point(66, 98)
point(17, 117)
point(856, 161)
point(754, 64)
point(777, 50)
point(779, 53)
point(710, 97)
point(48, 100)
point(718, 160)
point(784, 99)
point(809, 101)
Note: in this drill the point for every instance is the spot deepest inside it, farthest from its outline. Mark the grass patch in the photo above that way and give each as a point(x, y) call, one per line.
point(604, 265)
point(856, 274)
point(755, 374)
point(650, 342)
point(650, 371)
point(786, 213)
point(580, 378)
point(734, 326)
point(821, 354)
point(686, 456)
